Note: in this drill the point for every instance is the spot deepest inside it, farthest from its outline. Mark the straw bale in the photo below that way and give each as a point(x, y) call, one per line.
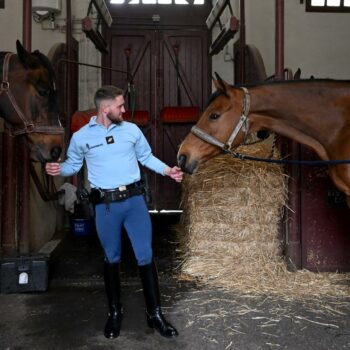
point(230, 229)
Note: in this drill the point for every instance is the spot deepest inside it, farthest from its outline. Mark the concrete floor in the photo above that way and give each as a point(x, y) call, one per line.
point(72, 313)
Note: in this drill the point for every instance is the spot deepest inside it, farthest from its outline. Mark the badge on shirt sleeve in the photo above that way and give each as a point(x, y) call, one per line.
point(109, 140)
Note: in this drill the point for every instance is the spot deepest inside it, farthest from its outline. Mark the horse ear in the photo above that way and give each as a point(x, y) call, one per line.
point(23, 55)
point(220, 84)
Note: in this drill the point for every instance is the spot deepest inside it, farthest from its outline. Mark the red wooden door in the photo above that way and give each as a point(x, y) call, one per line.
point(161, 79)
point(325, 220)
point(317, 234)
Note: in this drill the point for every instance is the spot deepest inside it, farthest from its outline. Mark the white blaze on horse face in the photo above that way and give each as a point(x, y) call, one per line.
point(193, 151)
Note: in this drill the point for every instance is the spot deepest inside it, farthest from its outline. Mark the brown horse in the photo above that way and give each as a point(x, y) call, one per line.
point(28, 102)
point(315, 113)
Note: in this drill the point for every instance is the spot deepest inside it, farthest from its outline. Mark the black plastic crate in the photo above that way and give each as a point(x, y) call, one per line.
point(24, 274)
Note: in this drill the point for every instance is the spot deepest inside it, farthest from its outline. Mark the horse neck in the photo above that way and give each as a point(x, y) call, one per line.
point(296, 105)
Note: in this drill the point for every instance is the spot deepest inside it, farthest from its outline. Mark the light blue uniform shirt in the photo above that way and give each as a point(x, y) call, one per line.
point(113, 164)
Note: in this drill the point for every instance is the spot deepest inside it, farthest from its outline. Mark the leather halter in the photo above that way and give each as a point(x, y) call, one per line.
point(28, 124)
point(243, 124)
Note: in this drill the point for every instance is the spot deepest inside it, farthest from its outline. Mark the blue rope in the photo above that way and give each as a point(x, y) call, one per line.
point(286, 161)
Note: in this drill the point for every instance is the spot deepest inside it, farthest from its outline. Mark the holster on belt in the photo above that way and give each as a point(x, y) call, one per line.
point(98, 195)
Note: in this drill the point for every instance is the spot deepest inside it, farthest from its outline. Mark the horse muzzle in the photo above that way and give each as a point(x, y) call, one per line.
point(43, 154)
point(55, 153)
point(186, 167)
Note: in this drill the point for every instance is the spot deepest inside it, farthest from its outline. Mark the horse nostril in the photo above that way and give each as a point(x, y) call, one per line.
point(181, 161)
point(55, 152)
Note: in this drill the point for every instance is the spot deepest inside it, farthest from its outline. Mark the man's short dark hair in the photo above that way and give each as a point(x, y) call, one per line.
point(106, 92)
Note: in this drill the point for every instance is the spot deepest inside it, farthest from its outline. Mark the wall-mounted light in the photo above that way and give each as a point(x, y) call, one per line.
point(43, 9)
point(94, 35)
point(103, 12)
point(216, 12)
point(227, 33)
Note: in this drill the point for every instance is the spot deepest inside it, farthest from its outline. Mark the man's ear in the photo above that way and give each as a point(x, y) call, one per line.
point(104, 105)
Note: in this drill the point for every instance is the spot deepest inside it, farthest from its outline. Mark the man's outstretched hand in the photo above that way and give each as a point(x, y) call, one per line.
point(175, 173)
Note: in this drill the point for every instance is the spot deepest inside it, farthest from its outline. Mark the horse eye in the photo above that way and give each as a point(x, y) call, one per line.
point(214, 116)
point(42, 88)
point(44, 92)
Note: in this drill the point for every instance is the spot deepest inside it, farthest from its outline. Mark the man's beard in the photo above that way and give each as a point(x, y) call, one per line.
point(114, 120)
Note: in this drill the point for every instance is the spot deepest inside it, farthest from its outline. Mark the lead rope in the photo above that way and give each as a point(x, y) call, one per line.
point(286, 161)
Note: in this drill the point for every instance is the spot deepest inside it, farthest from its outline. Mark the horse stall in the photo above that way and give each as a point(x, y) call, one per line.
point(163, 100)
point(312, 229)
point(28, 194)
point(298, 213)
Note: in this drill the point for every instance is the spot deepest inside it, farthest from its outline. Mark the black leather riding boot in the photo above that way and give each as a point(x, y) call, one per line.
point(155, 318)
point(112, 285)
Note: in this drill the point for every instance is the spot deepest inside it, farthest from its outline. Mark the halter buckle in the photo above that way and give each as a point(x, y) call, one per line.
point(30, 128)
point(5, 85)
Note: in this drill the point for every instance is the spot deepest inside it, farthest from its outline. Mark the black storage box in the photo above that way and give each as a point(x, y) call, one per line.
point(24, 274)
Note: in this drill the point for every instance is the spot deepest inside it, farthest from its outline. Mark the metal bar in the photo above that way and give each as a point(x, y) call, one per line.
point(228, 32)
point(242, 43)
point(216, 12)
point(23, 186)
point(279, 40)
point(89, 8)
point(69, 68)
point(292, 217)
point(230, 8)
point(8, 212)
point(103, 12)
point(93, 65)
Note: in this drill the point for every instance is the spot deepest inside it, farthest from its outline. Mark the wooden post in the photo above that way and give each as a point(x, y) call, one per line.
point(23, 187)
point(292, 217)
point(69, 67)
point(8, 212)
point(279, 40)
point(242, 42)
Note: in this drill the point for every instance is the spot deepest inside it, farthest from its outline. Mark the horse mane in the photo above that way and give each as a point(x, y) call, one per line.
point(297, 81)
point(218, 93)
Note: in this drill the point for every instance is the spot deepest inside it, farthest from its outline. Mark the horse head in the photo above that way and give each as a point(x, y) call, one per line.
point(216, 129)
point(29, 102)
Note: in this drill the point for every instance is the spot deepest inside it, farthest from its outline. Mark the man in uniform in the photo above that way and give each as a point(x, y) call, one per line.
point(112, 149)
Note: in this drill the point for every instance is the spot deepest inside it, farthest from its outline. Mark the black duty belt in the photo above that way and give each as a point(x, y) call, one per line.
point(100, 195)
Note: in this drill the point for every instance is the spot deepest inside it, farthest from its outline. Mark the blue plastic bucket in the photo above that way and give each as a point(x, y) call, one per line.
point(82, 227)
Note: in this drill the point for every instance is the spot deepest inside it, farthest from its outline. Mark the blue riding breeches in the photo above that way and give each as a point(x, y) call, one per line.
point(132, 213)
